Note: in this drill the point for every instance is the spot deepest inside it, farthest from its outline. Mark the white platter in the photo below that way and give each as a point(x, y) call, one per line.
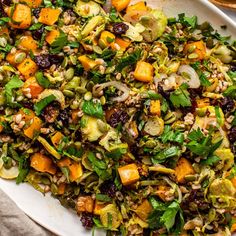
point(46, 210)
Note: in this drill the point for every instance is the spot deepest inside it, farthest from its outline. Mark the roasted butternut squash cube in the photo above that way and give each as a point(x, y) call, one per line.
point(21, 16)
point(61, 188)
point(98, 206)
point(128, 174)
point(106, 39)
point(32, 87)
point(27, 68)
point(27, 43)
point(86, 62)
point(139, 6)
point(34, 128)
point(233, 226)
point(32, 3)
point(144, 210)
point(183, 168)
point(56, 139)
point(49, 16)
point(85, 204)
point(12, 57)
point(155, 107)
point(144, 72)
point(42, 163)
point(1, 125)
point(120, 5)
point(52, 35)
point(75, 168)
point(122, 44)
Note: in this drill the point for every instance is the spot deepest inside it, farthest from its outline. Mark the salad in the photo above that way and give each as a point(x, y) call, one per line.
point(122, 114)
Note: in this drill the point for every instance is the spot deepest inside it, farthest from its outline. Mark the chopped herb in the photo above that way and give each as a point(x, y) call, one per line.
point(210, 161)
point(35, 26)
point(180, 97)
point(14, 83)
point(59, 43)
point(43, 81)
point(172, 136)
point(230, 91)
point(39, 106)
point(92, 108)
point(188, 21)
point(103, 198)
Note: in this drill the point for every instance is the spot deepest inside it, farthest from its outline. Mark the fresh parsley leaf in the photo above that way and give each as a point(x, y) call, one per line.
point(180, 97)
point(93, 108)
point(4, 20)
point(47, 3)
point(168, 218)
point(14, 83)
point(171, 136)
point(188, 21)
point(154, 96)
point(219, 118)
point(43, 81)
point(165, 154)
point(203, 79)
point(23, 170)
point(232, 75)
point(59, 43)
point(99, 166)
point(114, 15)
point(35, 26)
point(107, 54)
point(211, 161)
point(39, 106)
point(103, 197)
point(129, 60)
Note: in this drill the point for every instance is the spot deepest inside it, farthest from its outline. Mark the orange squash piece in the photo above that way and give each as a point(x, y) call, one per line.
point(85, 204)
point(155, 107)
point(139, 6)
point(32, 3)
point(56, 139)
point(27, 43)
point(183, 168)
point(27, 114)
point(75, 168)
point(42, 163)
point(144, 72)
point(203, 102)
point(27, 68)
point(21, 16)
point(128, 174)
point(11, 57)
point(144, 210)
point(61, 188)
point(34, 128)
point(52, 35)
point(123, 44)
point(49, 16)
point(198, 48)
point(4, 30)
point(86, 62)
point(34, 88)
point(106, 39)
point(1, 126)
point(120, 5)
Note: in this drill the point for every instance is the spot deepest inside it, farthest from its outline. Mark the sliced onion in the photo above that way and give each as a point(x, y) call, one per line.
point(97, 89)
point(194, 81)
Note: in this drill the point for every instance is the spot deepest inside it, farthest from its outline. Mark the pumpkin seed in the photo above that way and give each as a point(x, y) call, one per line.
point(3, 42)
point(69, 74)
point(20, 57)
point(103, 100)
point(68, 93)
point(88, 96)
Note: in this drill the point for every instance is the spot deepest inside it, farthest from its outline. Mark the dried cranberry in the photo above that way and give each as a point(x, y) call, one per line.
point(227, 104)
point(108, 188)
point(120, 28)
point(195, 92)
point(118, 116)
point(87, 220)
point(42, 61)
point(36, 12)
point(37, 34)
point(56, 59)
point(6, 2)
point(232, 135)
point(28, 105)
point(51, 111)
point(64, 116)
point(233, 68)
point(165, 94)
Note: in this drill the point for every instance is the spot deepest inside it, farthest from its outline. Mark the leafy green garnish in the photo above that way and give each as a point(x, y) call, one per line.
point(59, 43)
point(23, 170)
point(4, 20)
point(165, 154)
point(99, 166)
point(232, 75)
point(180, 97)
point(129, 60)
point(172, 136)
point(39, 106)
point(43, 81)
point(93, 109)
point(188, 21)
point(114, 15)
point(219, 118)
point(14, 83)
point(200, 144)
point(211, 161)
point(35, 26)
point(103, 197)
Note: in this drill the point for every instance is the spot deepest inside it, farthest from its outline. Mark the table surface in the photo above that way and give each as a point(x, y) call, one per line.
point(16, 221)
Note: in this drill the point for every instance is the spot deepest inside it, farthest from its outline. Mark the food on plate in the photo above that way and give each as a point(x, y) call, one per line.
point(124, 115)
